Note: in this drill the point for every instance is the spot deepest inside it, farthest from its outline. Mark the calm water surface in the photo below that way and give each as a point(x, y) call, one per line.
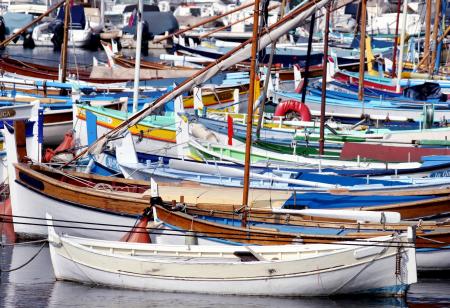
point(35, 286)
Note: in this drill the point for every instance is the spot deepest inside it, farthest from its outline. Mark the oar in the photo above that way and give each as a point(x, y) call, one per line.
point(369, 216)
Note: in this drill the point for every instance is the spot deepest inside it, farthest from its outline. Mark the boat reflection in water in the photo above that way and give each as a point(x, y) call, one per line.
point(35, 284)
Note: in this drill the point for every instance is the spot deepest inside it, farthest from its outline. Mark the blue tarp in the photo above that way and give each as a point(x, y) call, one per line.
point(342, 180)
point(78, 19)
point(329, 201)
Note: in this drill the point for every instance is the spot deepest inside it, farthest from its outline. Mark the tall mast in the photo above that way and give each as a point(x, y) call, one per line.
point(137, 65)
point(251, 98)
point(394, 56)
point(435, 36)
point(65, 40)
point(402, 45)
point(426, 47)
point(362, 50)
point(324, 79)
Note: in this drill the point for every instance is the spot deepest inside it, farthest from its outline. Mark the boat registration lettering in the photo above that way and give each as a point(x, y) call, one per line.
point(440, 174)
point(7, 113)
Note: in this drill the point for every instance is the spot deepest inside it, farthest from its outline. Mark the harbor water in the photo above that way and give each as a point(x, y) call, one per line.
point(34, 285)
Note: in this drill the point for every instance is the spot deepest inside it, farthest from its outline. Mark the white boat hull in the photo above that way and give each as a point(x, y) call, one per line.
point(433, 259)
point(28, 203)
point(191, 269)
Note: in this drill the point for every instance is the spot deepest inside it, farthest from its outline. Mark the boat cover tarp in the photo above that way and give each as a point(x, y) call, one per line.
point(342, 180)
point(425, 91)
point(16, 21)
point(78, 18)
point(327, 201)
point(388, 153)
point(156, 23)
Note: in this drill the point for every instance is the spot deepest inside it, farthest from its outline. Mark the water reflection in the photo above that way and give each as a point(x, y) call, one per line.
point(35, 284)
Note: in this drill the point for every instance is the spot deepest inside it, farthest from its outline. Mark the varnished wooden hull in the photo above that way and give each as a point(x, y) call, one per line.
point(125, 198)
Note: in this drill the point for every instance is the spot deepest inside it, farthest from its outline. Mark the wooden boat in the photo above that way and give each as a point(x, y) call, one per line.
point(384, 83)
point(38, 190)
point(43, 72)
point(126, 162)
point(374, 109)
point(238, 270)
point(116, 203)
point(235, 153)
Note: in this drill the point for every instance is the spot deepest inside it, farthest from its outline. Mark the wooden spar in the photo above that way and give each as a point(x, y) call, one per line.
point(251, 99)
point(394, 56)
point(435, 33)
point(38, 19)
point(362, 50)
point(358, 19)
point(308, 55)
point(427, 55)
point(233, 23)
point(324, 80)
point(203, 22)
point(65, 41)
point(161, 100)
point(426, 47)
point(266, 81)
point(402, 45)
point(137, 65)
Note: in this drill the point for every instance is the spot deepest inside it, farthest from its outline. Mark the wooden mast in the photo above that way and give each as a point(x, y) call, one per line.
point(35, 21)
point(394, 56)
point(426, 47)
point(402, 45)
point(435, 33)
point(65, 40)
point(137, 64)
point(208, 20)
point(324, 79)
point(362, 50)
point(251, 98)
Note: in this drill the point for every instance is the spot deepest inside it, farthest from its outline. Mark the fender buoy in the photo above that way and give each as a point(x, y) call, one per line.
point(292, 106)
point(66, 145)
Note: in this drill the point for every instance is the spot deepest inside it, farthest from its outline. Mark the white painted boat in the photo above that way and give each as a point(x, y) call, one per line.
point(264, 157)
point(287, 270)
point(42, 35)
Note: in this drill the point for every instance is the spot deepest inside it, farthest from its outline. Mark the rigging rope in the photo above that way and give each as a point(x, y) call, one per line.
point(27, 262)
point(208, 234)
